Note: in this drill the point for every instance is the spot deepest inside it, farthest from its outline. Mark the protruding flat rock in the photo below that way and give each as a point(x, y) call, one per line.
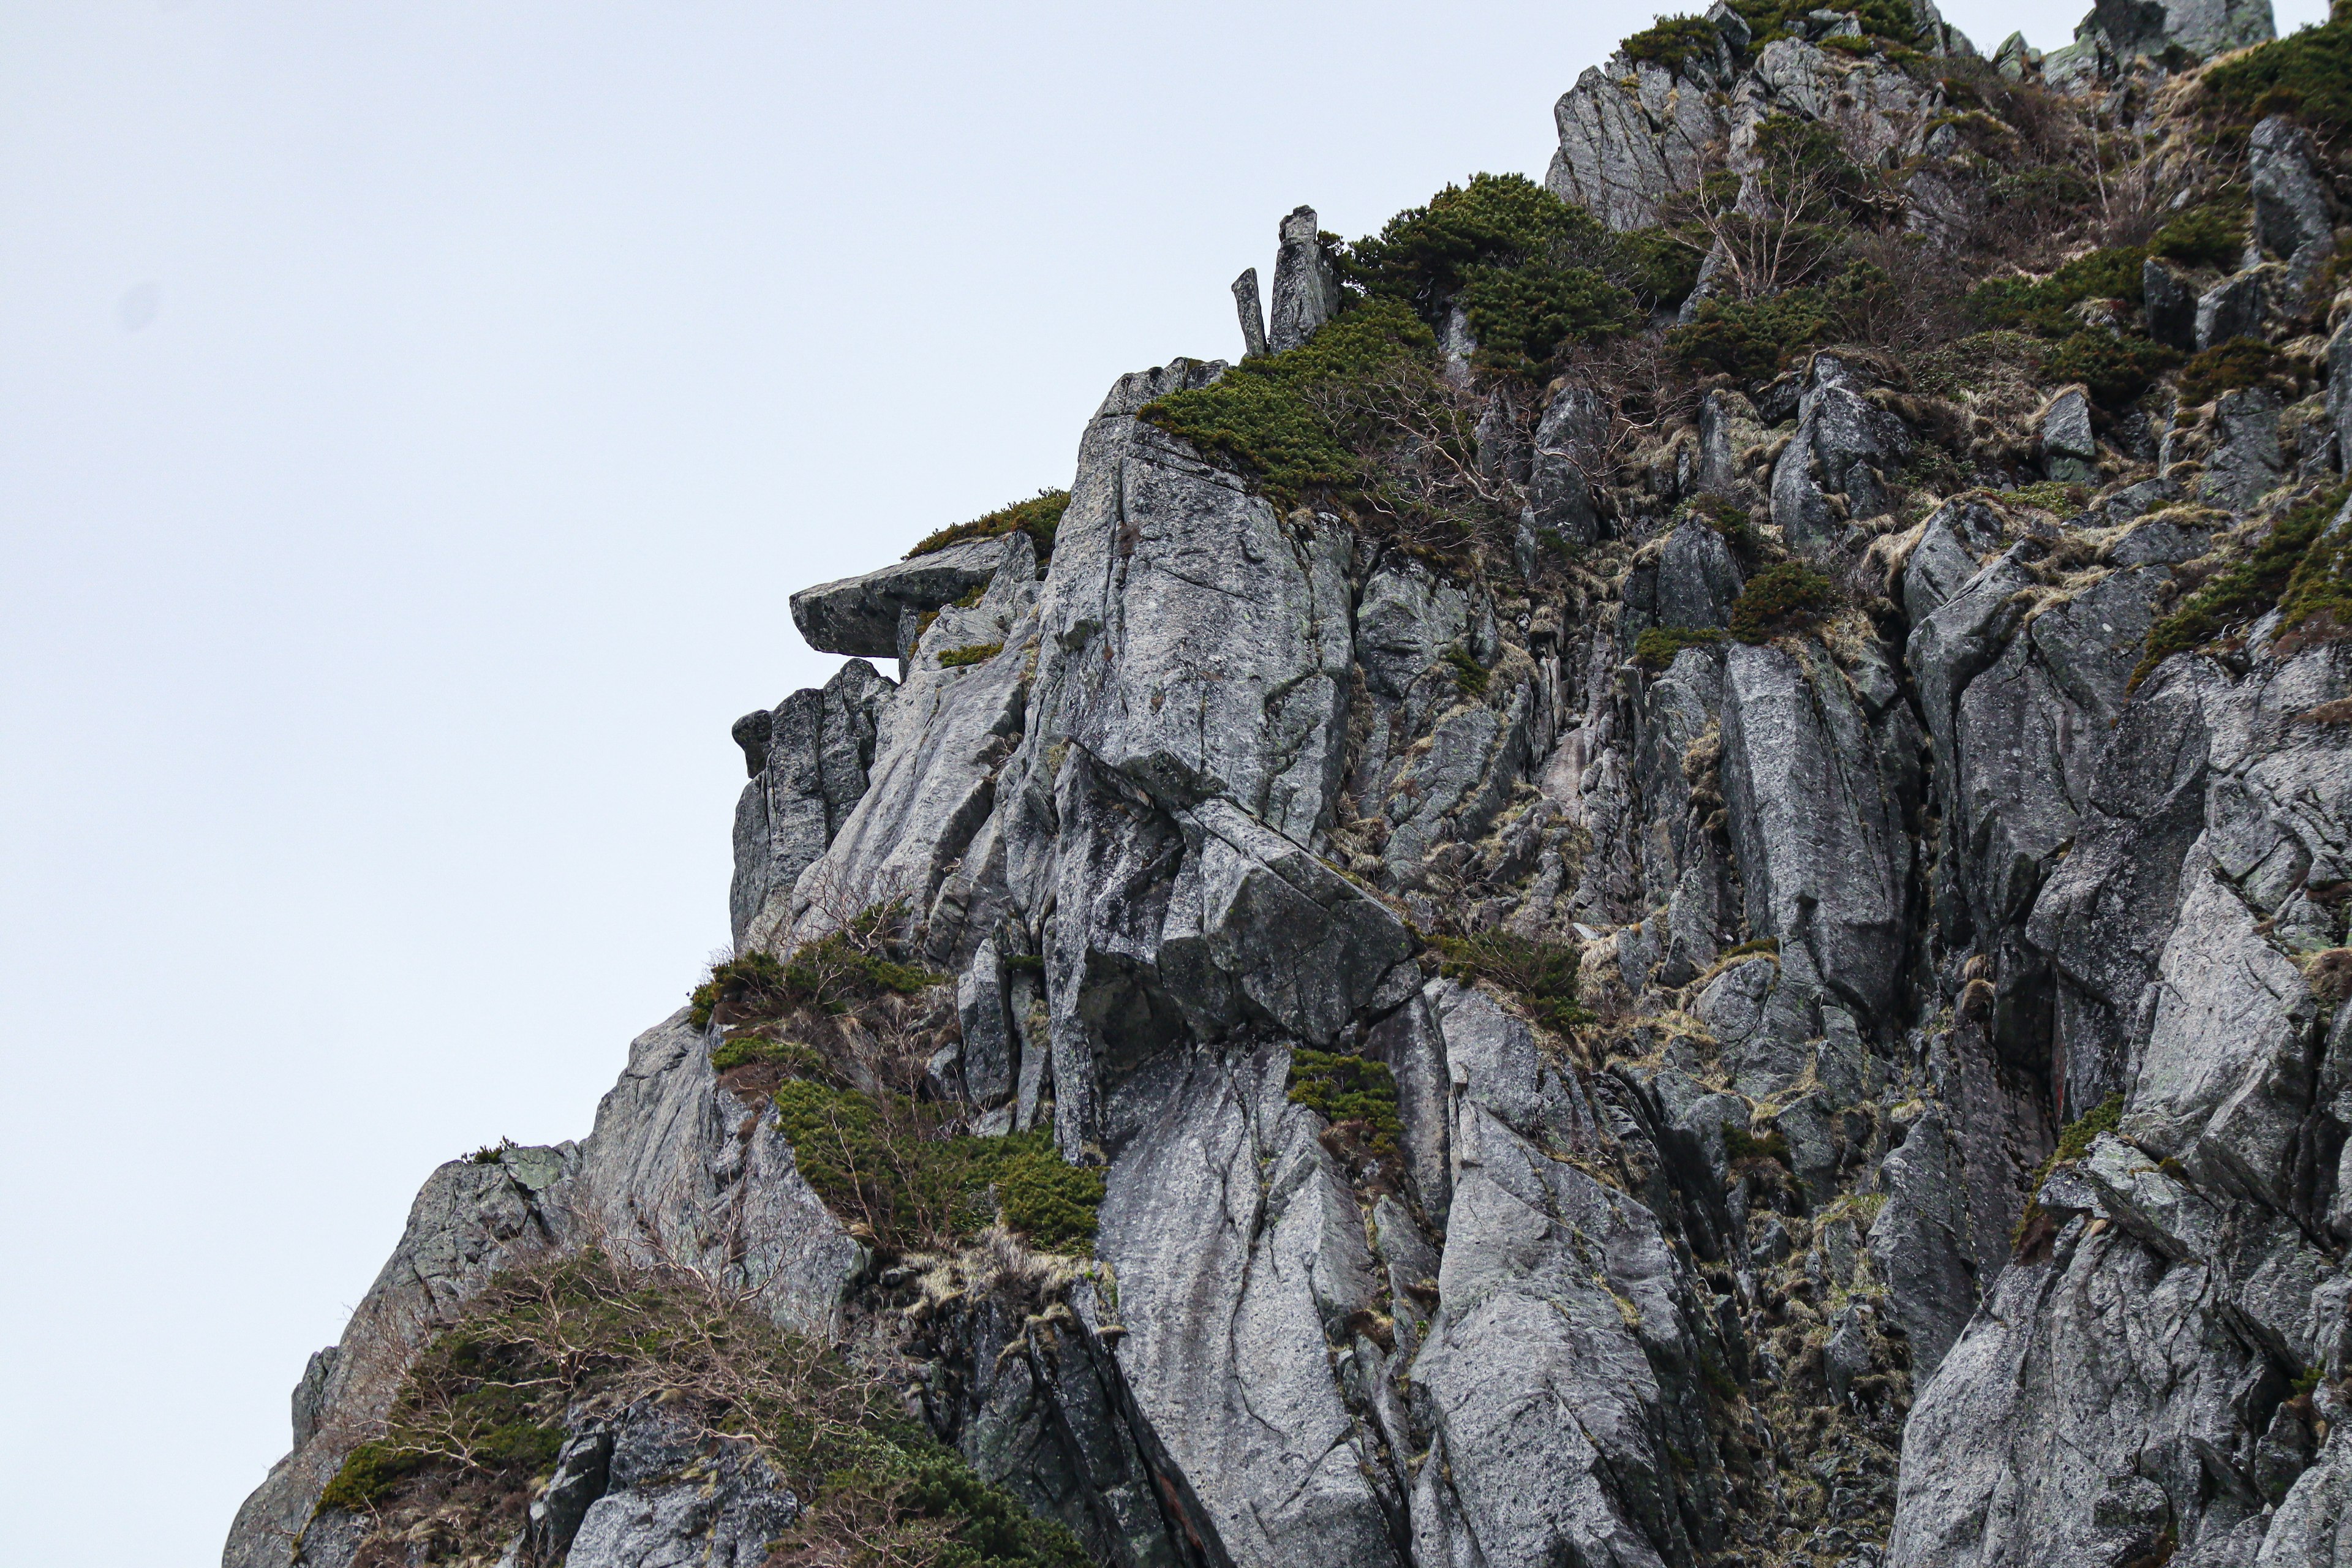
point(859, 615)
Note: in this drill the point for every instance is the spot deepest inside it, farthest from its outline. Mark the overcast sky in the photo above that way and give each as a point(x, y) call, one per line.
point(413, 419)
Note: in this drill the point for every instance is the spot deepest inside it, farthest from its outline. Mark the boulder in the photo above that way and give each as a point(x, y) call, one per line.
point(2231, 309)
point(2293, 217)
point(861, 616)
point(2244, 462)
point(2068, 448)
point(2169, 304)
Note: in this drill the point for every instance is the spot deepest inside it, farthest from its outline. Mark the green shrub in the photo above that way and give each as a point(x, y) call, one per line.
point(1659, 264)
point(1037, 517)
point(2225, 367)
point(2250, 589)
point(1771, 20)
point(1521, 315)
point(368, 1475)
point(1744, 1143)
point(1786, 597)
point(744, 1050)
point(2047, 189)
point(1529, 271)
point(1541, 975)
point(1273, 418)
point(584, 1332)
point(2210, 236)
point(1341, 1088)
point(1723, 515)
point(1751, 341)
point(2316, 606)
point(833, 973)
point(975, 653)
point(2308, 73)
point(1470, 677)
point(2073, 1142)
point(2027, 305)
point(1656, 646)
point(2116, 369)
point(882, 1160)
point(1674, 42)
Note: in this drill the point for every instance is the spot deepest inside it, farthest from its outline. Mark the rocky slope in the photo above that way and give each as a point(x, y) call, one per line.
point(1713, 955)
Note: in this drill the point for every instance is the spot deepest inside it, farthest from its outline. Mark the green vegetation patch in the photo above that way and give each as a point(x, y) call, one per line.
point(857, 963)
point(2213, 235)
point(2073, 1142)
point(1291, 421)
point(1751, 341)
point(1747, 1144)
point(2301, 565)
point(966, 656)
point(2241, 362)
point(1660, 264)
point(1541, 975)
point(1470, 678)
point(1348, 1088)
point(884, 1160)
point(1772, 20)
point(1037, 517)
point(2114, 368)
point(1656, 646)
point(2307, 74)
point(1674, 42)
point(2042, 305)
point(1787, 597)
point(481, 1415)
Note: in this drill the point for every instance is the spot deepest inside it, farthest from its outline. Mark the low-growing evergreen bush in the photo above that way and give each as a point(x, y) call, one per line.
point(1786, 597)
point(1037, 517)
point(2300, 566)
point(1541, 975)
point(1656, 646)
point(2225, 367)
point(1340, 1088)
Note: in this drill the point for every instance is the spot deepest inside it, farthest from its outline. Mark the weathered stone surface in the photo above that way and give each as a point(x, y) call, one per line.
point(808, 759)
point(2244, 463)
point(2231, 309)
point(940, 741)
point(1567, 450)
point(2339, 391)
point(860, 615)
point(677, 1500)
point(1305, 283)
point(1630, 134)
point(2169, 303)
point(2068, 448)
point(1697, 578)
point(1252, 311)
point(1239, 1253)
point(1845, 446)
point(2291, 210)
point(1728, 428)
point(1822, 856)
point(470, 1221)
point(1258, 928)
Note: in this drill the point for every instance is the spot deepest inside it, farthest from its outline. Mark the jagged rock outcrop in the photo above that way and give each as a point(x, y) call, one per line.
point(1584, 1060)
point(1305, 283)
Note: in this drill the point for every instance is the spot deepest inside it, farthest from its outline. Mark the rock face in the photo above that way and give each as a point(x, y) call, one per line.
point(1305, 283)
point(1875, 1095)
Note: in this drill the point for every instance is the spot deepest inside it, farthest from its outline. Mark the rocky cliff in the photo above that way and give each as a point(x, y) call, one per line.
point(1666, 886)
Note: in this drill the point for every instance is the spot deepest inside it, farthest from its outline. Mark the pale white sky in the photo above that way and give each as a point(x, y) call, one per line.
point(413, 419)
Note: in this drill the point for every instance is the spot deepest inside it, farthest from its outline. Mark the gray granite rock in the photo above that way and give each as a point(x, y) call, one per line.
point(2244, 462)
point(1305, 283)
point(861, 614)
point(2231, 309)
point(2069, 450)
point(2293, 212)
point(1247, 305)
point(808, 759)
point(2169, 303)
